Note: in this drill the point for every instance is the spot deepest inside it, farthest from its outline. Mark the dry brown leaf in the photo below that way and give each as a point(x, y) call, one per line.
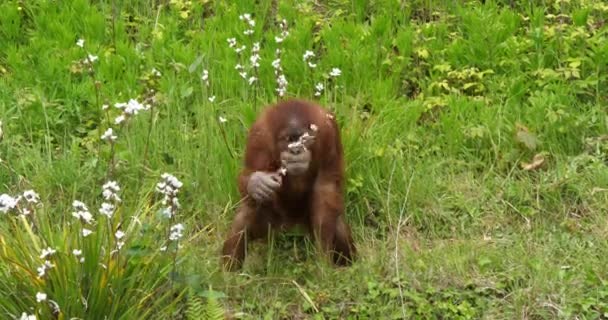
point(536, 163)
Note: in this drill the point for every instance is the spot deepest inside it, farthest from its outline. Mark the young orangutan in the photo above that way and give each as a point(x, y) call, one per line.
point(293, 174)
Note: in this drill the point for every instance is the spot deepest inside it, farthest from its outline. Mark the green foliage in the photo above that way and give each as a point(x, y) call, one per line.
point(210, 308)
point(474, 135)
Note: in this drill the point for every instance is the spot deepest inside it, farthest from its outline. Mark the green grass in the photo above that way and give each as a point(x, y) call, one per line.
point(441, 106)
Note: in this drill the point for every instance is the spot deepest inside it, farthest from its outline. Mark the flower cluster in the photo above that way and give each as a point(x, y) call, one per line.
point(47, 264)
point(255, 62)
point(254, 59)
point(156, 73)
point(284, 31)
point(169, 187)
point(335, 72)
point(246, 17)
point(119, 235)
point(9, 203)
point(278, 72)
point(176, 232)
point(307, 57)
point(205, 79)
point(82, 213)
point(77, 253)
point(110, 195)
point(129, 109)
point(40, 297)
point(276, 63)
point(109, 135)
point(319, 89)
point(25, 316)
point(233, 44)
point(89, 59)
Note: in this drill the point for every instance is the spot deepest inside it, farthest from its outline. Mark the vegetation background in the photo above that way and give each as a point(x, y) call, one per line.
point(475, 137)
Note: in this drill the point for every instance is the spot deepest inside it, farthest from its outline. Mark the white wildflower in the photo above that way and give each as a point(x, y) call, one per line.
point(231, 42)
point(222, 119)
point(105, 107)
point(276, 63)
point(156, 72)
point(76, 252)
point(335, 72)
point(211, 99)
point(92, 58)
point(130, 108)
point(205, 77)
point(252, 80)
point(86, 232)
point(319, 89)
point(248, 32)
point(120, 119)
point(80, 43)
point(169, 186)
point(176, 232)
point(308, 54)
point(86, 216)
point(134, 106)
point(24, 316)
point(7, 202)
point(31, 196)
point(312, 65)
point(255, 60)
point(241, 49)
point(239, 67)
point(47, 252)
point(42, 269)
point(82, 212)
point(109, 135)
point(119, 234)
point(120, 244)
point(40, 296)
point(246, 17)
point(79, 205)
point(107, 209)
point(243, 74)
point(110, 191)
point(167, 211)
point(282, 85)
point(284, 32)
point(163, 248)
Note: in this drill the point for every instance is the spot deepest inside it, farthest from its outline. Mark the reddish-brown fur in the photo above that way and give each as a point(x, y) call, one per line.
point(314, 200)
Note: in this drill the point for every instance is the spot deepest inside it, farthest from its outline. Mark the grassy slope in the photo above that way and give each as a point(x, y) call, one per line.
point(439, 105)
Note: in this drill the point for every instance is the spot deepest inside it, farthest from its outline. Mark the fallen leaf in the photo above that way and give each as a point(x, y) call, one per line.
point(536, 163)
